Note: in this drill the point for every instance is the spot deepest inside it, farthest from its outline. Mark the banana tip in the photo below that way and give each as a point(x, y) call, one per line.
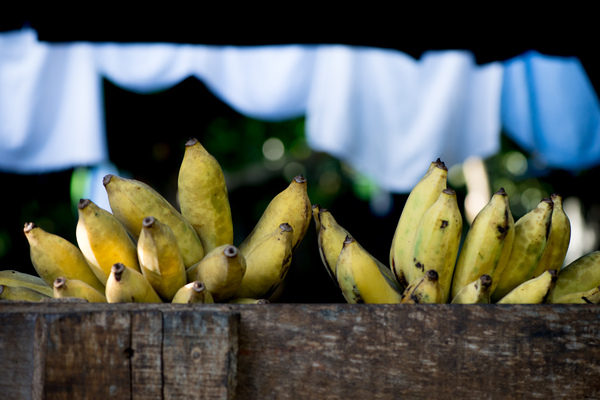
point(83, 203)
point(432, 275)
point(300, 179)
point(230, 251)
point(148, 222)
point(118, 269)
point(29, 226)
point(286, 227)
point(191, 142)
point(198, 287)
point(106, 179)
point(60, 282)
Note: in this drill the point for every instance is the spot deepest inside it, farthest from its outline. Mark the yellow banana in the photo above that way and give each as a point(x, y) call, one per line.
point(581, 275)
point(126, 285)
point(554, 254)
point(532, 291)
point(316, 208)
point(330, 240)
point(193, 293)
point(487, 245)
point(160, 259)
point(53, 256)
point(422, 196)
point(267, 264)
point(364, 279)
point(221, 271)
point(66, 288)
point(103, 240)
point(425, 290)
point(14, 278)
point(476, 292)
point(292, 205)
point(131, 201)
point(531, 237)
point(591, 296)
point(436, 242)
point(21, 293)
point(203, 196)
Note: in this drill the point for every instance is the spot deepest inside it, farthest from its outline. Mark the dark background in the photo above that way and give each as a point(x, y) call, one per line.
point(147, 133)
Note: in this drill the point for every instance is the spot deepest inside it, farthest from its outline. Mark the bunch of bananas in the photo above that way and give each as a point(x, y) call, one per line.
point(145, 250)
point(500, 261)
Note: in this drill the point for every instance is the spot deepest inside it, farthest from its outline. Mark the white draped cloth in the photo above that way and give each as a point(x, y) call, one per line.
point(382, 111)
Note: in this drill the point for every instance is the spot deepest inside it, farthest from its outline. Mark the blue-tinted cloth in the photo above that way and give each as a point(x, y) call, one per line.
point(550, 108)
point(385, 113)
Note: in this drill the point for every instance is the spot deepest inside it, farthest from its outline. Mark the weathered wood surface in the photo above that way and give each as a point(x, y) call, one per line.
point(82, 351)
point(334, 351)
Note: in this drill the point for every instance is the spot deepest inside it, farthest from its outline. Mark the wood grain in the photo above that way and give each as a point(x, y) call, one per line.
point(320, 351)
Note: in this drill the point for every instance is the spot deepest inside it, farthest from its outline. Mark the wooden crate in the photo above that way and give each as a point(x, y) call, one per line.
point(298, 351)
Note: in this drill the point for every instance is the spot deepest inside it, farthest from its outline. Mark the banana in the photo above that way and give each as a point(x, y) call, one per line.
point(160, 259)
point(53, 256)
point(21, 293)
point(203, 196)
point(364, 279)
point(221, 271)
point(487, 245)
point(581, 275)
point(476, 292)
point(532, 291)
point(425, 290)
point(293, 206)
point(126, 285)
point(193, 293)
point(531, 237)
point(267, 264)
point(246, 300)
point(554, 254)
point(316, 208)
point(591, 296)
point(14, 278)
point(103, 240)
point(330, 240)
point(66, 288)
point(436, 242)
point(421, 197)
point(131, 201)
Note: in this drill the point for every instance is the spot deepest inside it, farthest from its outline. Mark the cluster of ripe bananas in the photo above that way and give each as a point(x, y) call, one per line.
point(145, 250)
point(501, 261)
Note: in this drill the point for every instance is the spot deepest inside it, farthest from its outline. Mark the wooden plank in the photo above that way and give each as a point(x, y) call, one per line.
point(146, 355)
point(418, 351)
point(87, 357)
point(199, 354)
point(17, 351)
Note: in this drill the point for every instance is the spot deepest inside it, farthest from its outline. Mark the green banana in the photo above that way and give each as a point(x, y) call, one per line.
point(67, 288)
point(131, 201)
point(487, 245)
point(364, 279)
point(221, 271)
point(591, 296)
point(53, 256)
point(532, 291)
point(103, 240)
point(160, 259)
point(425, 290)
point(14, 278)
point(267, 264)
point(436, 242)
point(554, 254)
point(330, 240)
point(421, 197)
point(476, 292)
point(531, 237)
point(203, 196)
point(193, 293)
point(581, 275)
point(21, 293)
point(126, 285)
point(293, 206)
